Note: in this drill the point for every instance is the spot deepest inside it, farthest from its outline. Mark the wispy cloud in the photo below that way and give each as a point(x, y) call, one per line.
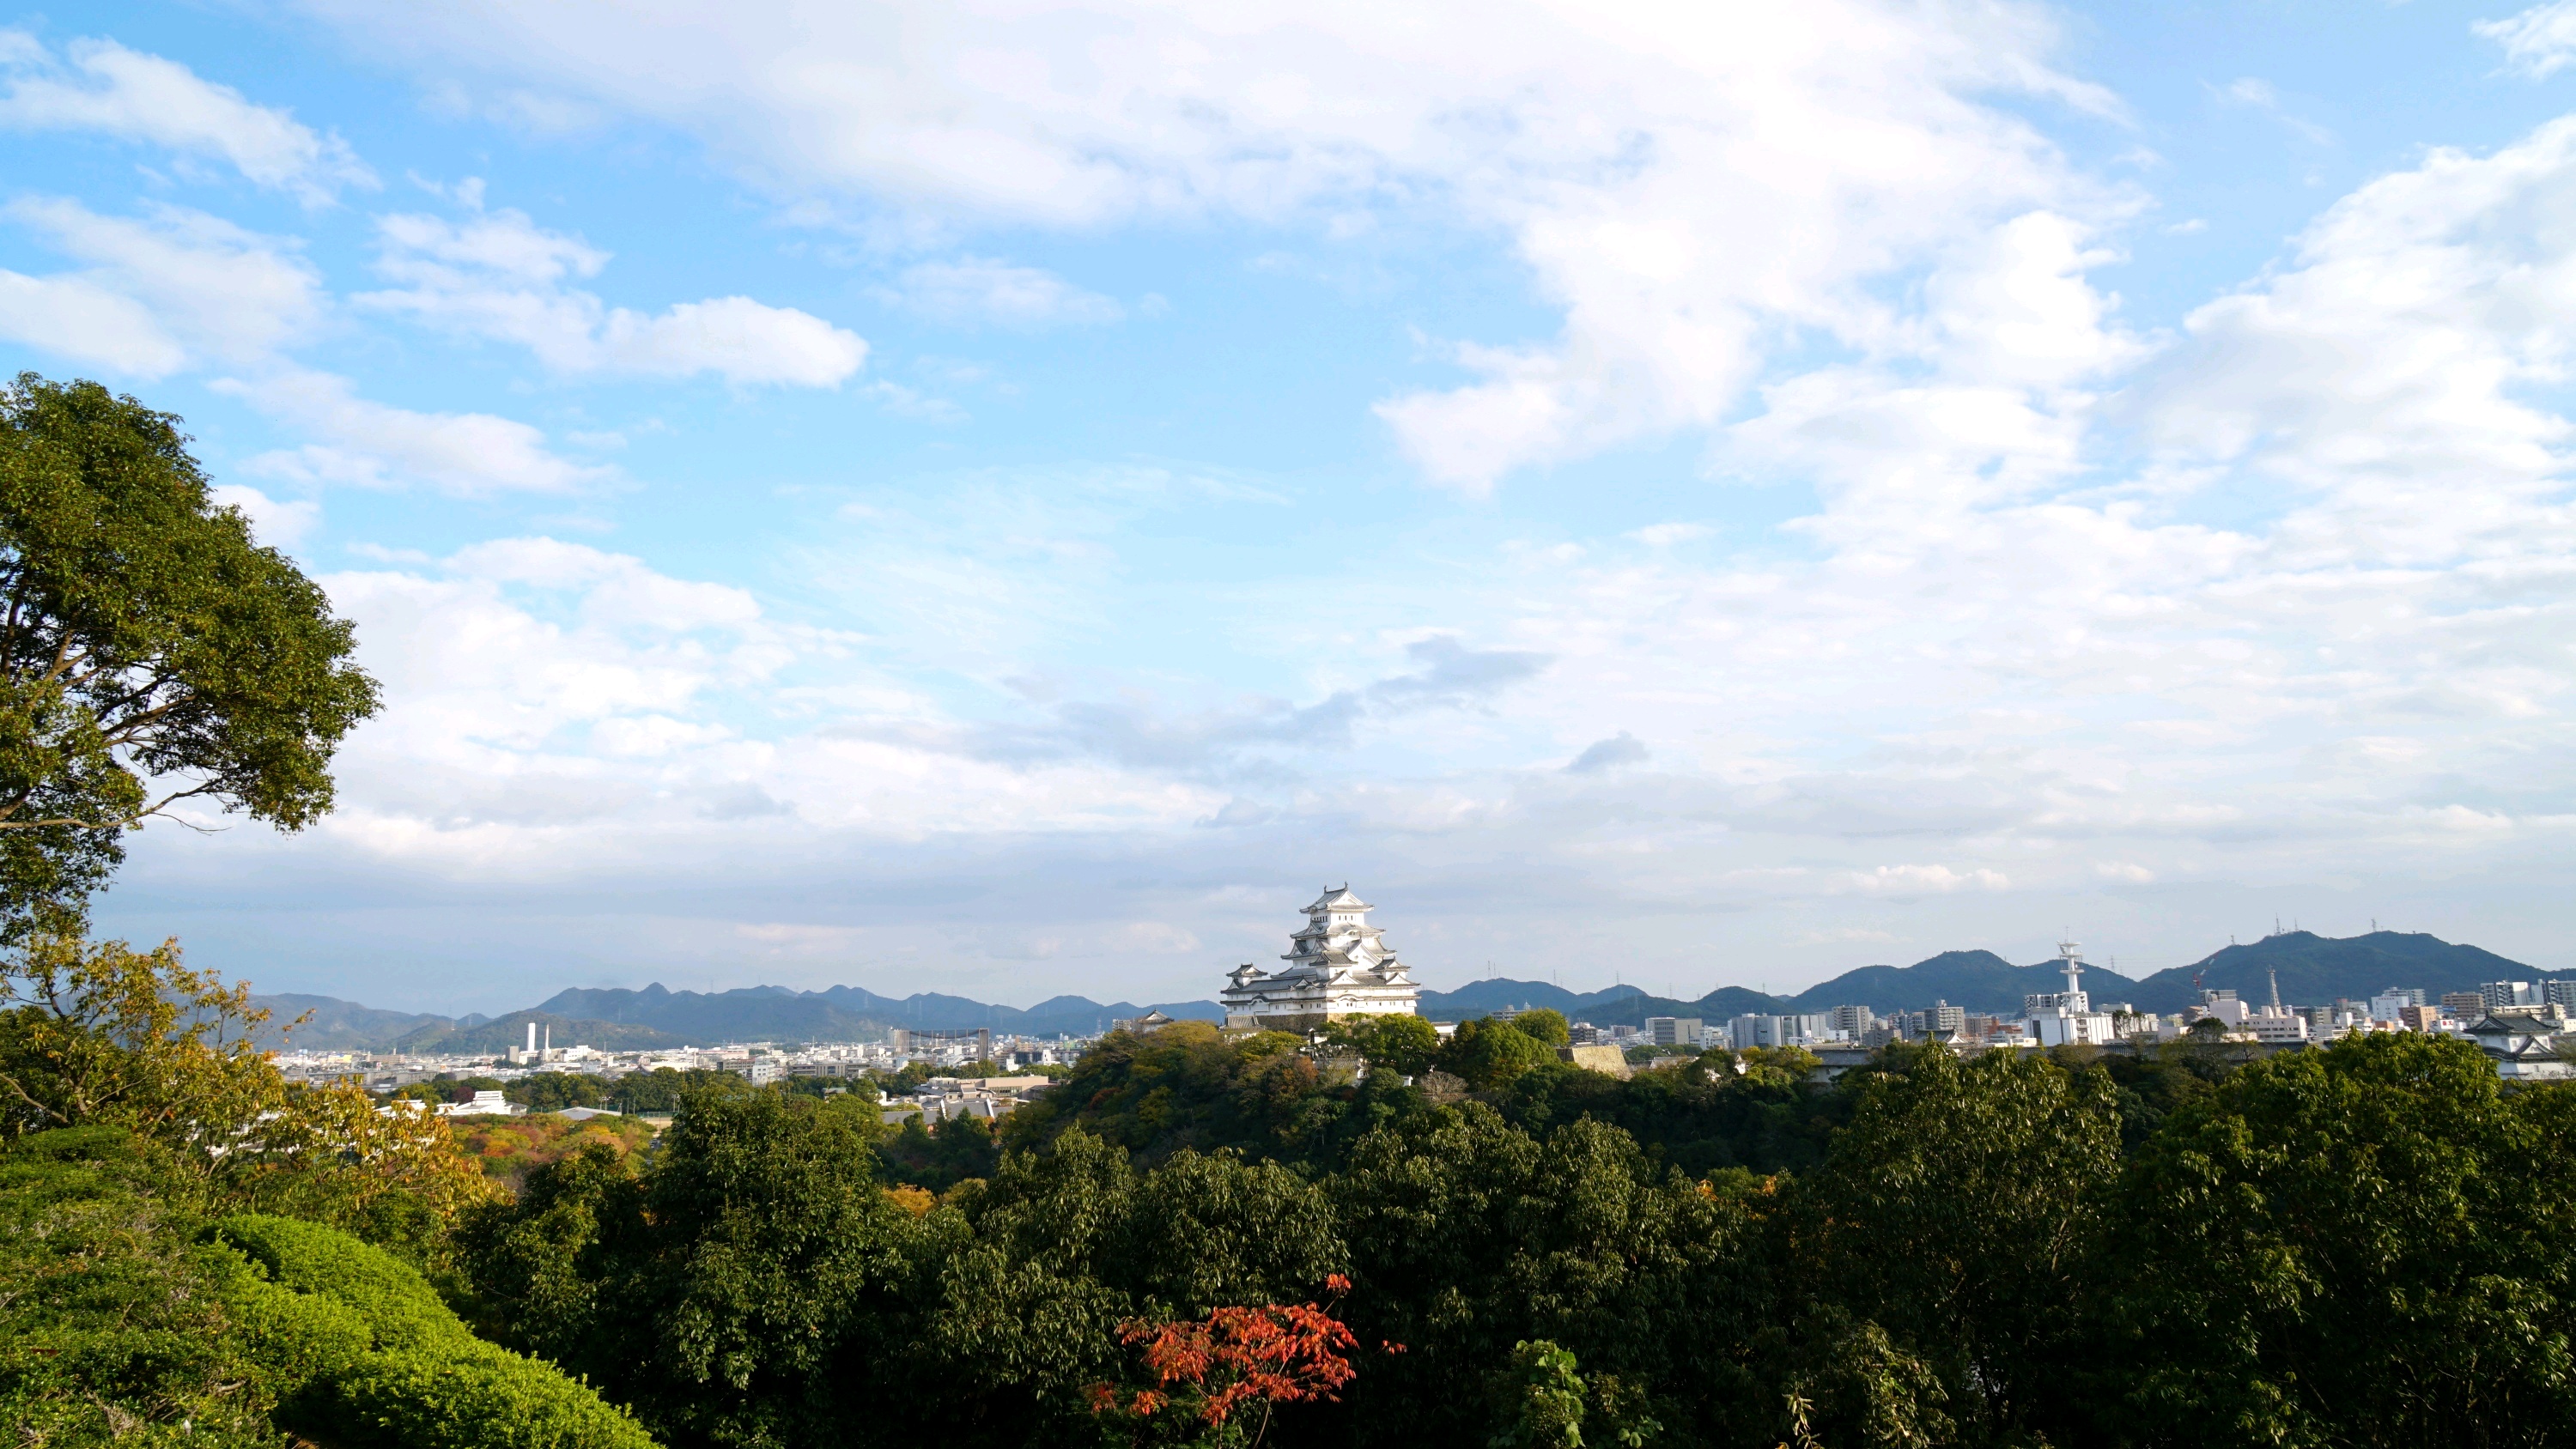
point(154, 294)
point(1686, 188)
point(375, 445)
point(498, 275)
point(980, 289)
point(2538, 42)
point(99, 85)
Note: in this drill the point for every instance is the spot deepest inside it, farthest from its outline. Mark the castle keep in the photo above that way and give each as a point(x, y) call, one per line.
point(1339, 965)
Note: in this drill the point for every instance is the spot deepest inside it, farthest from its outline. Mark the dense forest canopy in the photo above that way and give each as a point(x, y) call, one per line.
point(1197, 1239)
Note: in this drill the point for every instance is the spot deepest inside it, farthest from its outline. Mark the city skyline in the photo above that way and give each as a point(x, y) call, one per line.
point(1008, 501)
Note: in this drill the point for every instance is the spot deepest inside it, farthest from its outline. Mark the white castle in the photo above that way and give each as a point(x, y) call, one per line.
point(1340, 965)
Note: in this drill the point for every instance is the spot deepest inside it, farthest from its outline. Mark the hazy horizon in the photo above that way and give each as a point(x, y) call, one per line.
point(1678, 989)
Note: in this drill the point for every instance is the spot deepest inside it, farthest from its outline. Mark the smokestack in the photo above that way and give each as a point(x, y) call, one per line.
point(550, 1039)
point(532, 1036)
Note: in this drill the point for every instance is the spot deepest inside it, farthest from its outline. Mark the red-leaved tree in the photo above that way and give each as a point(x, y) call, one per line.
point(1207, 1373)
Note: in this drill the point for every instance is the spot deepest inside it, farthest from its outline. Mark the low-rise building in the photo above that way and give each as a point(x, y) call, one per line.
point(2276, 1026)
point(481, 1104)
point(2526, 1046)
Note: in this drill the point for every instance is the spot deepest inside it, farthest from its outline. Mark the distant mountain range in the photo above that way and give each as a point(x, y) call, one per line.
point(619, 1019)
point(2312, 969)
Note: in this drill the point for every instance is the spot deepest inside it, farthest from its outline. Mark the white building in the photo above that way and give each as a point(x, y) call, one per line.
point(2067, 1018)
point(1339, 965)
point(2524, 1045)
point(2278, 1026)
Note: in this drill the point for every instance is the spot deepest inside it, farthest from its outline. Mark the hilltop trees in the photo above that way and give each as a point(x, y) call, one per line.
point(150, 651)
point(1932, 1258)
point(1404, 1045)
point(2381, 1249)
point(2367, 1244)
point(1488, 1052)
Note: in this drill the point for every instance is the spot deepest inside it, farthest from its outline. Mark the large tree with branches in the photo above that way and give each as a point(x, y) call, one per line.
point(151, 652)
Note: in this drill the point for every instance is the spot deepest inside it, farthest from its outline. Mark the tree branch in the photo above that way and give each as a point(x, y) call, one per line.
point(125, 730)
point(119, 823)
point(64, 659)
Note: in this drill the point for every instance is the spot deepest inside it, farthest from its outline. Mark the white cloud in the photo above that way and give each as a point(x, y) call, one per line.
point(735, 337)
point(372, 444)
point(551, 707)
point(2279, 598)
point(1686, 185)
point(2537, 42)
point(2390, 374)
point(107, 88)
point(1664, 535)
point(501, 276)
point(158, 293)
point(502, 246)
point(274, 522)
point(979, 289)
point(94, 326)
point(176, 289)
point(1916, 879)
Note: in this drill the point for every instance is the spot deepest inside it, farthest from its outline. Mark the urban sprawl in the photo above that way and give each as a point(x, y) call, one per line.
point(1339, 967)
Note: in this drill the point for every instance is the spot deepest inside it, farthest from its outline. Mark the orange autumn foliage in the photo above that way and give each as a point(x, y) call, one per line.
point(1276, 1353)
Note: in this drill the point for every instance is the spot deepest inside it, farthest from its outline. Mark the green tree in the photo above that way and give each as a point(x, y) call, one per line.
point(1488, 1053)
point(546, 1271)
point(150, 652)
point(1468, 1236)
point(105, 1036)
point(360, 1349)
point(1955, 1221)
point(2369, 1244)
point(1543, 1408)
point(1189, 1086)
point(126, 1317)
point(554, 1091)
point(1071, 1244)
point(743, 1292)
point(938, 1158)
point(664, 1088)
point(1405, 1045)
point(1544, 1025)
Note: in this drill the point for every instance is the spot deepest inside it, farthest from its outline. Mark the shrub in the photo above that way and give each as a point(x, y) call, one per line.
point(362, 1351)
point(110, 1326)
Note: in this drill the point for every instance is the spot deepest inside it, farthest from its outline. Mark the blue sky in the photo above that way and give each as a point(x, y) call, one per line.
point(1011, 498)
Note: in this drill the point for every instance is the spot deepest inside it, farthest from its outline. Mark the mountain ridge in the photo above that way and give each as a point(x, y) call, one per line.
point(2313, 969)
